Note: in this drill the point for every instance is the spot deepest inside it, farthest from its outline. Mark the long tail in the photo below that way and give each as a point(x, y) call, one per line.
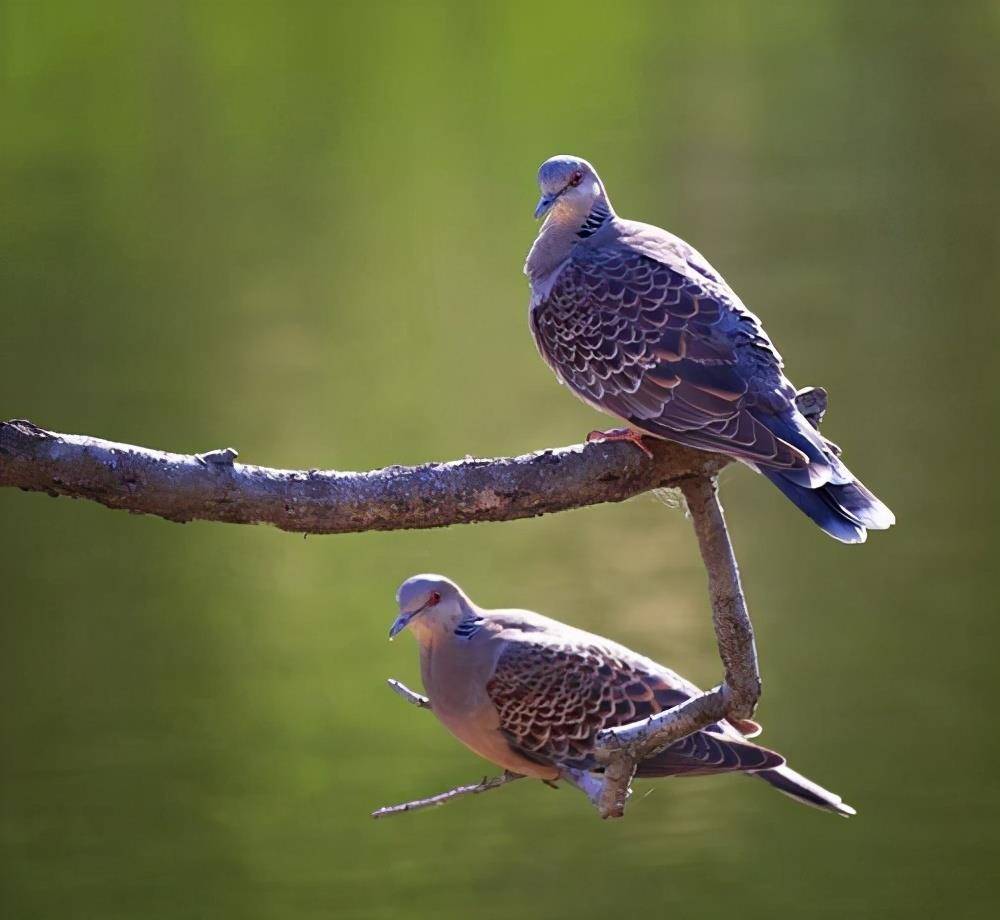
point(795, 785)
point(845, 511)
point(826, 490)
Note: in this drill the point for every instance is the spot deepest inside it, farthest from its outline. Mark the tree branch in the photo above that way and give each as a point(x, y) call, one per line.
point(211, 487)
point(730, 617)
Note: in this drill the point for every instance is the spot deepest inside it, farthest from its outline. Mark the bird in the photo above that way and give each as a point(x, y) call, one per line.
point(639, 325)
point(530, 694)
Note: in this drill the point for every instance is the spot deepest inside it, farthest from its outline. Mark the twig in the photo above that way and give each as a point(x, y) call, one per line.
point(411, 696)
point(485, 785)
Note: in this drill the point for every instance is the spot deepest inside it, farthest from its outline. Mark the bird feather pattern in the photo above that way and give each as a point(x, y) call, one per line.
point(673, 355)
point(553, 696)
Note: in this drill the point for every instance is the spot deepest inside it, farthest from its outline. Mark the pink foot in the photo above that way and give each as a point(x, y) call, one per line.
point(621, 434)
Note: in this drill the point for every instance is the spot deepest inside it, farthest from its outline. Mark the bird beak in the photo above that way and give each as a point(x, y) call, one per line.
point(544, 205)
point(399, 625)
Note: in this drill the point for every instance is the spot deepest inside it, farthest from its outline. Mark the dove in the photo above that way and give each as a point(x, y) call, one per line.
point(530, 694)
point(639, 325)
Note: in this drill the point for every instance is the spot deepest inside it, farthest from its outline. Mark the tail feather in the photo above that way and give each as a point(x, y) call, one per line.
point(707, 752)
point(796, 786)
point(858, 502)
point(825, 490)
point(824, 464)
point(822, 507)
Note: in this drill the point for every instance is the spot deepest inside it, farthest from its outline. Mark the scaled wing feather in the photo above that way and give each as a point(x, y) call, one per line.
point(672, 351)
point(554, 697)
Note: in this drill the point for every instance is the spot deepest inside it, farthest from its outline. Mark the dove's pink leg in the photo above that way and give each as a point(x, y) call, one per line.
point(621, 434)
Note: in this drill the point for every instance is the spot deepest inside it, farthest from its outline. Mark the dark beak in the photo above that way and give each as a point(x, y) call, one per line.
point(399, 625)
point(545, 205)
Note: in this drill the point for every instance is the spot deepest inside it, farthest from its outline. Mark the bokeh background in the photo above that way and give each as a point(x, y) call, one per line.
point(298, 229)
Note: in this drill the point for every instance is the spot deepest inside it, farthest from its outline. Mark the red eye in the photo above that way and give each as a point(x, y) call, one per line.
point(433, 598)
point(575, 180)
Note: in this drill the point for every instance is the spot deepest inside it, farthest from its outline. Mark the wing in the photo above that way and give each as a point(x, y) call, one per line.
point(669, 349)
point(552, 700)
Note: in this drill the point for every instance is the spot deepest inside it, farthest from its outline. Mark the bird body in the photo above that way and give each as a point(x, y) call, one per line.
point(638, 324)
point(530, 694)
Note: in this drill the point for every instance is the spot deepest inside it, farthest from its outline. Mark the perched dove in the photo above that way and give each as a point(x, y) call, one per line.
point(639, 325)
point(530, 694)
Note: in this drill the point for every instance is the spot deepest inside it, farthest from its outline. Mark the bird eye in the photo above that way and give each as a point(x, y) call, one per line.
point(575, 178)
point(433, 598)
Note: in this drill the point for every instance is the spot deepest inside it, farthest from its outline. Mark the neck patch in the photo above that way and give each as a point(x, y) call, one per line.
point(596, 219)
point(468, 626)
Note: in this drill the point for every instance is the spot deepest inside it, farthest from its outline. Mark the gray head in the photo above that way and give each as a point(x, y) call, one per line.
point(570, 186)
point(427, 601)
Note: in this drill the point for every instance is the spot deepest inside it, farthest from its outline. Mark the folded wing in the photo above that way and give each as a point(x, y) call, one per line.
point(553, 698)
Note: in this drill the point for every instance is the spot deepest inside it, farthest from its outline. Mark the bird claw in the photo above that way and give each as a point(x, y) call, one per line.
point(620, 434)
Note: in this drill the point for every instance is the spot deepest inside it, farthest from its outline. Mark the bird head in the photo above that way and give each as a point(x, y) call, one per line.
point(569, 186)
point(426, 603)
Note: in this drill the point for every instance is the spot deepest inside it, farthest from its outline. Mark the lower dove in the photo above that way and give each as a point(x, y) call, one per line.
point(530, 694)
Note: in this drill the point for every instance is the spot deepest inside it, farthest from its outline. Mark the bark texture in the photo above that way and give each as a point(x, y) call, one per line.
point(212, 487)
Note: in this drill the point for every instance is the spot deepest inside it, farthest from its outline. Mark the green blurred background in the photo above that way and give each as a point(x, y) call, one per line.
point(299, 229)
